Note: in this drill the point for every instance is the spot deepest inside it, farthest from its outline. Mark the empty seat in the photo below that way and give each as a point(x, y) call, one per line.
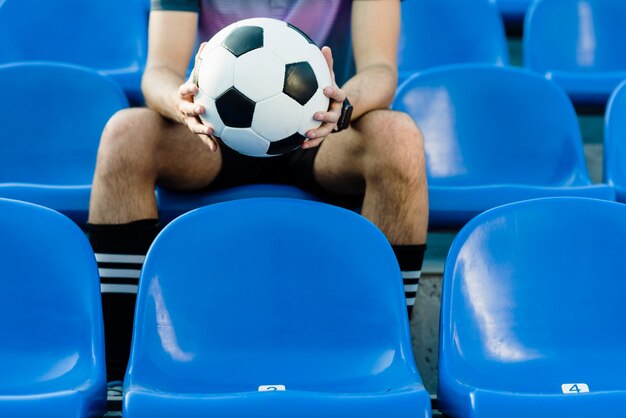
point(272, 308)
point(441, 32)
point(51, 336)
point(532, 312)
point(615, 142)
point(579, 44)
point(51, 119)
point(107, 35)
point(495, 135)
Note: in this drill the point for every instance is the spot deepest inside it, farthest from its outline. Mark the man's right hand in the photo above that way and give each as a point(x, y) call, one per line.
point(190, 111)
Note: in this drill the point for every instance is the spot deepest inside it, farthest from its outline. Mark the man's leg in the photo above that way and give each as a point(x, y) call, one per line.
point(138, 148)
point(381, 156)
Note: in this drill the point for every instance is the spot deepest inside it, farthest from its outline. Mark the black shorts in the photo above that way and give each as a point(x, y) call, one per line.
point(293, 168)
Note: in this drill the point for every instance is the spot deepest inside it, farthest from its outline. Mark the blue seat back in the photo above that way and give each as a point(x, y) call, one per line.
point(50, 311)
point(441, 32)
point(486, 125)
point(615, 142)
point(575, 35)
point(533, 297)
point(102, 34)
point(51, 119)
point(270, 291)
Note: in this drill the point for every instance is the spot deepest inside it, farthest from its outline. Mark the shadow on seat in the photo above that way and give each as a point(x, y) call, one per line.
point(286, 293)
point(615, 142)
point(51, 332)
point(495, 135)
point(532, 312)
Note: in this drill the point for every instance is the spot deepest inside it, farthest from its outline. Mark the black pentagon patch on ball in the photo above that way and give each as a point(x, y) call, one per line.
point(235, 109)
point(309, 40)
point(244, 39)
point(300, 82)
point(285, 145)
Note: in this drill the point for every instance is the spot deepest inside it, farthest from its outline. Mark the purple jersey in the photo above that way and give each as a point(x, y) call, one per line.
point(327, 22)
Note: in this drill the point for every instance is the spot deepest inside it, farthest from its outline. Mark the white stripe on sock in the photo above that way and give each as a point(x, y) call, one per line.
point(411, 274)
point(120, 273)
point(119, 258)
point(118, 288)
point(410, 288)
point(410, 301)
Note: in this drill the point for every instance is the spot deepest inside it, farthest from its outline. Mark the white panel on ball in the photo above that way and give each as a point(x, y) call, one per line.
point(259, 74)
point(287, 44)
point(245, 141)
point(318, 103)
point(319, 65)
point(216, 72)
point(210, 116)
point(277, 117)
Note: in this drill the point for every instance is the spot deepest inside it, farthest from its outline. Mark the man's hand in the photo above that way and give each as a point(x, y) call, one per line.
point(190, 112)
point(329, 119)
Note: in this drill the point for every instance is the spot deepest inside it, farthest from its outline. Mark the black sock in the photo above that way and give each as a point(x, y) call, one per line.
point(410, 258)
point(120, 251)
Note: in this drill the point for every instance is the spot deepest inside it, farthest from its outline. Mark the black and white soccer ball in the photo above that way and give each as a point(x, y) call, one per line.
point(261, 81)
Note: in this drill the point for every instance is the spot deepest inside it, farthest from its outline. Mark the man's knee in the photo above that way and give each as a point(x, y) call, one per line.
point(393, 143)
point(128, 140)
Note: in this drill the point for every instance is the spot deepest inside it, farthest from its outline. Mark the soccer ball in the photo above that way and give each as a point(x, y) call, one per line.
point(261, 81)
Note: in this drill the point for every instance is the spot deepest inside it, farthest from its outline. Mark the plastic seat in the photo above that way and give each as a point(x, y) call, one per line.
point(513, 10)
point(532, 312)
point(441, 32)
point(51, 332)
point(579, 44)
point(107, 35)
point(175, 203)
point(495, 135)
point(615, 142)
point(285, 293)
point(49, 152)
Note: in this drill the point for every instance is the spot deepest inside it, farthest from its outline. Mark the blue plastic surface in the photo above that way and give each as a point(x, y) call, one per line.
point(51, 119)
point(254, 292)
point(107, 35)
point(614, 169)
point(441, 32)
point(580, 44)
point(51, 331)
point(175, 203)
point(513, 10)
point(522, 327)
point(495, 135)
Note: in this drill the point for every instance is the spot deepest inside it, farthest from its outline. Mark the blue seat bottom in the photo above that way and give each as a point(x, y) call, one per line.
point(65, 404)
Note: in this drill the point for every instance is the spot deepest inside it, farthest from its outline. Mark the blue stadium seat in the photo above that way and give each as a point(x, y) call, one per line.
point(615, 142)
point(175, 203)
point(495, 135)
point(51, 119)
point(513, 10)
point(440, 32)
point(51, 332)
point(579, 44)
point(238, 296)
point(532, 312)
point(107, 35)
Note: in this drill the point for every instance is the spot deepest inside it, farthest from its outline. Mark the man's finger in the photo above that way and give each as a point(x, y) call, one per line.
point(335, 93)
point(328, 55)
point(191, 109)
point(188, 89)
point(331, 117)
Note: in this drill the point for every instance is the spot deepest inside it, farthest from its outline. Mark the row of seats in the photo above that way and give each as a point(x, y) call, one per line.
point(493, 135)
point(576, 43)
point(252, 333)
point(231, 320)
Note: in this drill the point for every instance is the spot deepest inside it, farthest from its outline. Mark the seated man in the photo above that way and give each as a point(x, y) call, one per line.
point(379, 158)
